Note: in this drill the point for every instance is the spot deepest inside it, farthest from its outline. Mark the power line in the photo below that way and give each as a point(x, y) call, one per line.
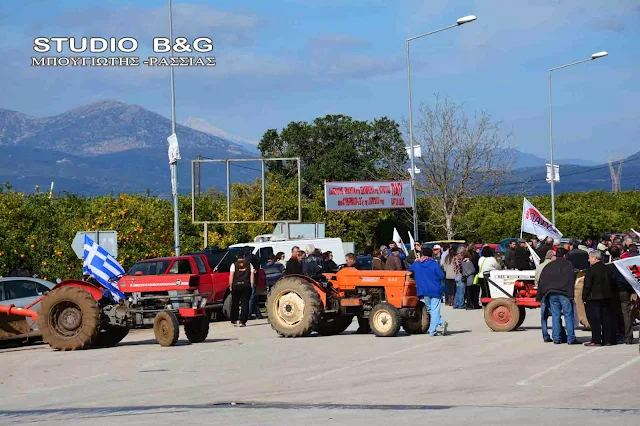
point(570, 174)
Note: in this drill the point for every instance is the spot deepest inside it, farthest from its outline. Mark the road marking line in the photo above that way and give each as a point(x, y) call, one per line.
point(612, 372)
point(335, 370)
point(527, 381)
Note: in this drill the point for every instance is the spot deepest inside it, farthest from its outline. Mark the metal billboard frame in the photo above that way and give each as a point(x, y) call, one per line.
point(240, 160)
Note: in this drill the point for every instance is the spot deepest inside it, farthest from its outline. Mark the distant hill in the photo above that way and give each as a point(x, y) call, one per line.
point(107, 146)
point(111, 146)
point(573, 178)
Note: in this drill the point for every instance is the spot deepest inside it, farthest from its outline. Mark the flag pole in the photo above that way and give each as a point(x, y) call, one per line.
point(522, 219)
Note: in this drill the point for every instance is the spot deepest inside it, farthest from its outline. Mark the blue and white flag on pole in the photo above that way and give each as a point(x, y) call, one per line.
point(103, 267)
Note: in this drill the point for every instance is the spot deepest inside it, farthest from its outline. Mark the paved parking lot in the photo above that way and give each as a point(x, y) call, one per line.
point(250, 376)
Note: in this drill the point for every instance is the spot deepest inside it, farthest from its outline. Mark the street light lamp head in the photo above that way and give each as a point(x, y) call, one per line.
point(466, 19)
point(599, 55)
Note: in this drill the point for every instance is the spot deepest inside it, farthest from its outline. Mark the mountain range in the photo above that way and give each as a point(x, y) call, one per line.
point(108, 146)
point(111, 146)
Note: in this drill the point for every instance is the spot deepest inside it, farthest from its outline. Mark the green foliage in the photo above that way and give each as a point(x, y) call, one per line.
point(337, 148)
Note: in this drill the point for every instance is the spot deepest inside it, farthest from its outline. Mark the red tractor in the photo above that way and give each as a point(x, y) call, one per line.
point(78, 314)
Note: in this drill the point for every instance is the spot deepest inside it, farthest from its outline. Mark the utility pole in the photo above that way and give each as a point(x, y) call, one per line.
point(174, 163)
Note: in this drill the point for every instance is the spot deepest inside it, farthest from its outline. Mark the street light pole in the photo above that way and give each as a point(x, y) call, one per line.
point(174, 166)
point(414, 204)
point(552, 172)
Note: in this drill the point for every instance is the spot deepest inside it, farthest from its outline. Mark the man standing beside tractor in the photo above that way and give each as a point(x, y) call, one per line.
point(556, 287)
point(428, 276)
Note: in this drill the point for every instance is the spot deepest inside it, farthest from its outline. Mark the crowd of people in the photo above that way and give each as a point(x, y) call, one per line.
point(454, 275)
point(607, 296)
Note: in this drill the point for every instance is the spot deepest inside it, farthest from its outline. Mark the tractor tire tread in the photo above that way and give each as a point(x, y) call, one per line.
point(171, 337)
point(90, 318)
point(395, 315)
point(197, 329)
point(313, 307)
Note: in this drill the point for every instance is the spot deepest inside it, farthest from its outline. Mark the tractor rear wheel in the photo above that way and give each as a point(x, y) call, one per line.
point(197, 329)
point(418, 324)
point(384, 320)
point(166, 328)
point(294, 307)
point(523, 315)
point(334, 326)
point(110, 336)
point(69, 318)
point(502, 314)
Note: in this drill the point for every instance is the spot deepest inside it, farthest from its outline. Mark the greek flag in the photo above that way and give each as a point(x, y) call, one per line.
point(103, 267)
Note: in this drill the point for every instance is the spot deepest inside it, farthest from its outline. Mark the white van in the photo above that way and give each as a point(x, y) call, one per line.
point(266, 249)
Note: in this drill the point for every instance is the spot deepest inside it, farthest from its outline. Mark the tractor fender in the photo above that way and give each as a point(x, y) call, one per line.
point(322, 292)
point(94, 291)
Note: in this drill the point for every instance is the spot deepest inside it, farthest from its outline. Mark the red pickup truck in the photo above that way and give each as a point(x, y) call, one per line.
point(174, 275)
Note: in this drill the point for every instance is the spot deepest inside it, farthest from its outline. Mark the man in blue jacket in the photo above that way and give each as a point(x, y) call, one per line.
point(428, 276)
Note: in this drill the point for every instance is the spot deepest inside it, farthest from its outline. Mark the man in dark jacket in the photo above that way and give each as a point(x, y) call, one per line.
point(312, 264)
point(544, 248)
point(624, 311)
point(509, 256)
point(598, 295)
point(521, 257)
point(556, 285)
point(579, 258)
point(293, 264)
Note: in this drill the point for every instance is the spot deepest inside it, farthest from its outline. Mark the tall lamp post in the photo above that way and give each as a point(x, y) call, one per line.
point(461, 21)
point(552, 172)
point(174, 164)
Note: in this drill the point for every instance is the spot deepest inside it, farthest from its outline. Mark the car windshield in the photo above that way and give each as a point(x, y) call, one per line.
point(227, 259)
point(154, 267)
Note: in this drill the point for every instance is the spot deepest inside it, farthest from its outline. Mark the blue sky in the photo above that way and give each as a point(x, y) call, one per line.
point(290, 60)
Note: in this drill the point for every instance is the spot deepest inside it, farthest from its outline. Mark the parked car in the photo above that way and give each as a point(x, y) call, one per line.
point(21, 292)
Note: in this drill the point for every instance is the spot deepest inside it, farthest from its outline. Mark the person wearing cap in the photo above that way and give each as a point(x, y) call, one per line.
point(544, 303)
point(437, 252)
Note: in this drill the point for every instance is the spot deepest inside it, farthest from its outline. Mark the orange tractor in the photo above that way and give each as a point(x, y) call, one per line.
point(298, 305)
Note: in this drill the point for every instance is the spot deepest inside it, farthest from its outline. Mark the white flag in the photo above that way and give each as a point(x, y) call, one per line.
point(535, 223)
point(534, 256)
point(636, 232)
point(413, 242)
point(399, 242)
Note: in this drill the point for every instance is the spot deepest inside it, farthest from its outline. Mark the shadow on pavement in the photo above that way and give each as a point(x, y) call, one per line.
point(168, 408)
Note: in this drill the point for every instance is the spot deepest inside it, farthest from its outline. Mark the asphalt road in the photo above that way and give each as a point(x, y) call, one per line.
point(250, 376)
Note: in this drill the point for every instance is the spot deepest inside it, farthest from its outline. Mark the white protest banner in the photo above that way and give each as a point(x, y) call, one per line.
point(340, 196)
point(630, 270)
point(535, 223)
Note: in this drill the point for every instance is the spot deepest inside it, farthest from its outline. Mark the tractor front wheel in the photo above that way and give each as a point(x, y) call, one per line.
point(69, 318)
point(419, 323)
point(384, 320)
point(334, 326)
point(523, 315)
point(197, 329)
point(294, 307)
point(166, 328)
point(502, 314)
point(110, 336)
